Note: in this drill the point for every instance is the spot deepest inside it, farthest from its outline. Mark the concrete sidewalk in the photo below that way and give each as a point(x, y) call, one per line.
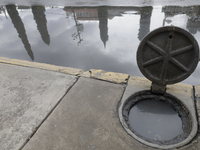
point(45, 107)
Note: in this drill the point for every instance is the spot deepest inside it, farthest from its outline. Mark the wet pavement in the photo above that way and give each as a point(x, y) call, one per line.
point(52, 110)
point(54, 107)
point(89, 37)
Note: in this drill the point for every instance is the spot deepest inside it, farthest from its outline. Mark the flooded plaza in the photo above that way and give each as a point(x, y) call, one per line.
point(45, 108)
point(105, 37)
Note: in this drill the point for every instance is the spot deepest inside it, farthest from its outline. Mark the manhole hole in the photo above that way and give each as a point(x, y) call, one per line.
point(159, 119)
point(155, 120)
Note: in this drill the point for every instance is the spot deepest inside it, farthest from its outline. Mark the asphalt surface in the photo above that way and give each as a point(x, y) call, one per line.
point(46, 108)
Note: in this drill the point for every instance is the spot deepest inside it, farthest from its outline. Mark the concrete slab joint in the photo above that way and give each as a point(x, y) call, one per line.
point(28, 95)
point(84, 120)
point(109, 76)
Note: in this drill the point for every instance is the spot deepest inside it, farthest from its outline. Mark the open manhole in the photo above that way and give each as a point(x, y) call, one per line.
point(154, 117)
point(158, 119)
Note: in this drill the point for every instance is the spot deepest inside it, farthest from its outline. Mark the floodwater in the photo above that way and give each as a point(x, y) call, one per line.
point(155, 120)
point(89, 37)
point(102, 2)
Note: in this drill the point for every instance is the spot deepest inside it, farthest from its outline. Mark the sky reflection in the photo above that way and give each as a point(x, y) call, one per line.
point(88, 37)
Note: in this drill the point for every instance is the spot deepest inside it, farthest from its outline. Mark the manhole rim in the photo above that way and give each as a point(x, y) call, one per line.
point(169, 99)
point(182, 143)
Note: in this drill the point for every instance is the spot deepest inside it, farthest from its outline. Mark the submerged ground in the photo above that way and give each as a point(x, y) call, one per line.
point(91, 37)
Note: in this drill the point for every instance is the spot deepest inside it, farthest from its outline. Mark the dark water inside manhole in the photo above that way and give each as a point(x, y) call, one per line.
point(155, 120)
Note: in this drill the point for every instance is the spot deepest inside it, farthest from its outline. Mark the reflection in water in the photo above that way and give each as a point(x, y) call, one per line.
point(19, 26)
point(103, 24)
point(193, 13)
point(127, 27)
point(40, 19)
point(193, 24)
point(2, 9)
point(79, 28)
point(145, 20)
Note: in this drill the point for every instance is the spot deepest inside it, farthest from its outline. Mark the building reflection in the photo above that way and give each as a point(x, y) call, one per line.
point(103, 13)
point(192, 12)
point(145, 21)
point(19, 26)
point(193, 24)
point(193, 17)
point(81, 14)
point(88, 14)
point(103, 24)
point(41, 21)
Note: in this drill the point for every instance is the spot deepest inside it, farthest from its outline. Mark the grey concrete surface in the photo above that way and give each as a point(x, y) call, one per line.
point(86, 119)
point(27, 95)
point(46, 110)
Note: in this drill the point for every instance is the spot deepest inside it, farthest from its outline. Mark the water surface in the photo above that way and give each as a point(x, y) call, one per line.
point(155, 120)
point(89, 37)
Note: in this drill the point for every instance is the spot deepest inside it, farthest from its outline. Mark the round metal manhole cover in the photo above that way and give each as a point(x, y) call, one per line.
point(168, 55)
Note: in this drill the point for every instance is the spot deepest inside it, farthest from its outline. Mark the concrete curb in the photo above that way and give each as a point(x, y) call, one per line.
point(93, 73)
point(109, 76)
point(66, 70)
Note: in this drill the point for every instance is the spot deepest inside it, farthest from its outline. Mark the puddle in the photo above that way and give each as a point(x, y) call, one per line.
point(155, 120)
point(89, 37)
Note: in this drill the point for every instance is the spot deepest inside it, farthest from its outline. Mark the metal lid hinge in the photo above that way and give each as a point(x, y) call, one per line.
point(158, 88)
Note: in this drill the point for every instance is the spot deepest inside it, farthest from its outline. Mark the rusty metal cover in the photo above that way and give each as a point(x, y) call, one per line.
point(168, 55)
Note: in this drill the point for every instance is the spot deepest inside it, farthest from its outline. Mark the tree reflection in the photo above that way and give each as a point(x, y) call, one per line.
point(40, 19)
point(145, 20)
point(2, 9)
point(19, 26)
point(79, 28)
point(103, 24)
